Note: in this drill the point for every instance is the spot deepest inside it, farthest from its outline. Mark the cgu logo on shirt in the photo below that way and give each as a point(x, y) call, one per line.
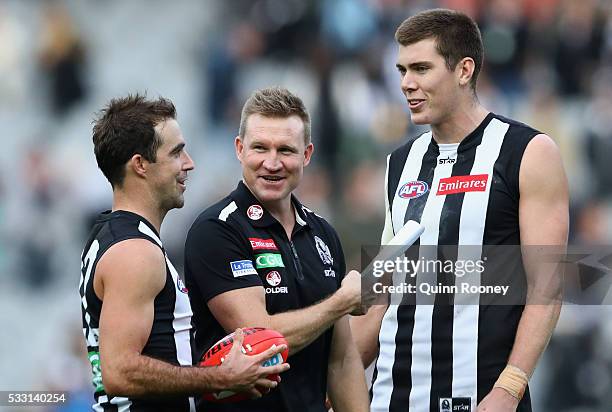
point(415, 188)
point(462, 184)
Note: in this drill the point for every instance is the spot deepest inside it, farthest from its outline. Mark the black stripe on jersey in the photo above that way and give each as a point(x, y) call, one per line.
point(443, 311)
point(402, 366)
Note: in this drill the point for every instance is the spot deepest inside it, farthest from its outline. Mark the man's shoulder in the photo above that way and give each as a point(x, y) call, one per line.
point(518, 129)
point(317, 221)
point(401, 153)
point(219, 219)
point(111, 228)
point(223, 210)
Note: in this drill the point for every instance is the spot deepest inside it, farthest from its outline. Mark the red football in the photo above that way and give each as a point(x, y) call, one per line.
point(256, 340)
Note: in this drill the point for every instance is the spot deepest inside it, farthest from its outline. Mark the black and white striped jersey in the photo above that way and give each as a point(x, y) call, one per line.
point(170, 338)
point(446, 357)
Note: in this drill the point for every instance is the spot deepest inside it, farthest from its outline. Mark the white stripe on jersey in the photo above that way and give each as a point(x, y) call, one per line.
point(143, 228)
point(471, 232)
point(421, 335)
point(97, 407)
point(410, 173)
point(227, 210)
point(182, 320)
point(123, 404)
point(91, 334)
point(383, 388)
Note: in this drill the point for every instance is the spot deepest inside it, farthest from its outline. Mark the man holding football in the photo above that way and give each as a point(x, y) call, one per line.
point(260, 258)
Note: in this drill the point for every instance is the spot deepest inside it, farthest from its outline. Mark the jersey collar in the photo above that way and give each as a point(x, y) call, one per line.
point(245, 200)
point(472, 139)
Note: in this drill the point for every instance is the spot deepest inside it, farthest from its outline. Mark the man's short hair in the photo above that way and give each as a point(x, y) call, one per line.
point(456, 35)
point(275, 102)
point(125, 127)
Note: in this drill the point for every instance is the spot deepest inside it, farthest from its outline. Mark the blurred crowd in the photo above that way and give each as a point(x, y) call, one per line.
point(548, 63)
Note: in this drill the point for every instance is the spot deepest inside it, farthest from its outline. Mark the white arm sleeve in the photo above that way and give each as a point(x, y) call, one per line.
point(387, 233)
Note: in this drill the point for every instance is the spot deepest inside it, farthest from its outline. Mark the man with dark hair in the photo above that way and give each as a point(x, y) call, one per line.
point(260, 258)
point(477, 179)
point(136, 313)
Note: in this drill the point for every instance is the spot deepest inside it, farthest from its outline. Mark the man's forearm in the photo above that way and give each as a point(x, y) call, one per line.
point(365, 331)
point(145, 376)
point(533, 334)
point(346, 383)
point(301, 327)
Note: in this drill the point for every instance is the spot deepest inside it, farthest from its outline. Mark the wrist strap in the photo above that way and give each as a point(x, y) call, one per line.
point(513, 380)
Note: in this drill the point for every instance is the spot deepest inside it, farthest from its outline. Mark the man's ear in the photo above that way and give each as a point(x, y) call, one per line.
point(138, 165)
point(308, 153)
point(239, 145)
point(465, 70)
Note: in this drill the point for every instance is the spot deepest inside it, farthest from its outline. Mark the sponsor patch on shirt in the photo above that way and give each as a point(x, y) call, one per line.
point(415, 188)
point(255, 212)
point(455, 405)
point(273, 278)
point(269, 260)
point(242, 268)
point(462, 184)
point(259, 244)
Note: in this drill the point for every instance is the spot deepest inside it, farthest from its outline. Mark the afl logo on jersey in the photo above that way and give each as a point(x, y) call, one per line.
point(273, 278)
point(181, 286)
point(413, 189)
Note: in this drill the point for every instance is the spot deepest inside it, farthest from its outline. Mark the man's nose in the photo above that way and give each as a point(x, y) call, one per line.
point(189, 163)
point(272, 161)
point(408, 84)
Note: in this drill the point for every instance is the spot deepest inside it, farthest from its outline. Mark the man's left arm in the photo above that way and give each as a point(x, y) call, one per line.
point(544, 221)
point(346, 383)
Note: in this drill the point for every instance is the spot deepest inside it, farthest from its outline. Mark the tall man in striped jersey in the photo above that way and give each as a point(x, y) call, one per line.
point(136, 313)
point(476, 178)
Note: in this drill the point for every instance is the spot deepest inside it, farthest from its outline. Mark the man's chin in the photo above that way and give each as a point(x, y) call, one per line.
point(418, 119)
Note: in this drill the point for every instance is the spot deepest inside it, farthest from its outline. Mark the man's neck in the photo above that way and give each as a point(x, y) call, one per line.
point(137, 204)
point(283, 212)
point(459, 124)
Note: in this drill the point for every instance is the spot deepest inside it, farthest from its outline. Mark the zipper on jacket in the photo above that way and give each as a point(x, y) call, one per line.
point(296, 261)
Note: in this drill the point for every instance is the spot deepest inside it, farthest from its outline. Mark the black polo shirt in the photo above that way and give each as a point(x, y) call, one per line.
point(236, 244)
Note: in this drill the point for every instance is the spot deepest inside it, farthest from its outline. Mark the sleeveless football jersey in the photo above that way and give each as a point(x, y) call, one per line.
point(170, 338)
point(436, 354)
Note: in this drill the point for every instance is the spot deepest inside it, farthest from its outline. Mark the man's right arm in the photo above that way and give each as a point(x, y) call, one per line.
point(300, 327)
point(128, 278)
point(366, 328)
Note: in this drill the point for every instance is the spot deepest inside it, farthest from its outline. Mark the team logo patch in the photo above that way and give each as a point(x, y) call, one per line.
point(273, 278)
point(259, 244)
point(455, 405)
point(462, 184)
point(324, 252)
point(269, 260)
point(410, 190)
point(242, 268)
point(255, 212)
point(181, 286)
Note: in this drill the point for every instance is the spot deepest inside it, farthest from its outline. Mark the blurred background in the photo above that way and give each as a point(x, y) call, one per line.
point(548, 64)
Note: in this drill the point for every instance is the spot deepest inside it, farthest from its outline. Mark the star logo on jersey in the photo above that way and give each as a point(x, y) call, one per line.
point(255, 212)
point(324, 252)
point(413, 189)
